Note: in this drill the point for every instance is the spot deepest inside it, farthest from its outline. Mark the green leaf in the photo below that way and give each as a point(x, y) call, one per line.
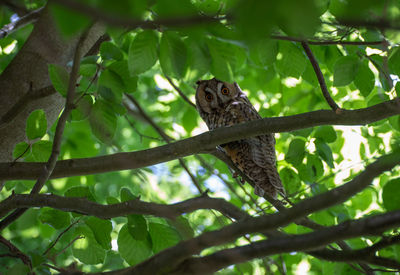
point(133, 251)
point(126, 195)
point(290, 180)
point(83, 108)
point(162, 236)
point(226, 59)
point(362, 200)
point(36, 124)
point(88, 70)
point(365, 80)
point(293, 62)
point(80, 192)
point(296, 151)
point(143, 52)
point(101, 230)
point(326, 133)
point(189, 119)
point(315, 167)
point(345, 70)
point(109, 50)
point(173, 55)
point(264, 52)
point(69, 21)
point(41, 150)
point(394, 60)
point(87, 249)
point(103, 121)
point(112, 80)
point(137, 226)
point(59, 77)
point(182, 225)
point(55, 218)
point(129, 82)
point(325, 152)
point(390, 195)
point(198, 60)
point(21, 149)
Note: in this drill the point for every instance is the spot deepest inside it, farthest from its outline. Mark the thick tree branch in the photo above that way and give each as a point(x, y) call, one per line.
point(303, 242)
point(23, 101)
point(317, 41)
point(69, 106)
point(377, 24)
point(130, 23)
point(320, 77)
point(183, 250)
point(203, 143)
point(86, 207)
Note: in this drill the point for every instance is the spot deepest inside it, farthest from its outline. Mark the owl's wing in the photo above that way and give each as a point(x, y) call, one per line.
point(262, 148)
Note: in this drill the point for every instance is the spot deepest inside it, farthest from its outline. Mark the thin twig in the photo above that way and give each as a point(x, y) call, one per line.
point(184, 97)
point(320, 77)
point(20, 22)
point(166, 138)
point(68, 245)
point(15, 252)
point(23, 101)
point(59, 236)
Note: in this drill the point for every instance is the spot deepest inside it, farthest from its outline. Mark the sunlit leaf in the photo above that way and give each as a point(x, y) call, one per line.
point(36, 124)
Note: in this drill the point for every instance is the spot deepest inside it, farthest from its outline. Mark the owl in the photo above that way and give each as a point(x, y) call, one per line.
point(224, 104)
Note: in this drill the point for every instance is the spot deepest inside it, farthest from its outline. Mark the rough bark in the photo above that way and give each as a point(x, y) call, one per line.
point(28, 72)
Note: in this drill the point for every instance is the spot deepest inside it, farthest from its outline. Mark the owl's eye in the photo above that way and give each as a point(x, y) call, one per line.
point(209, 97)
point(225, 91)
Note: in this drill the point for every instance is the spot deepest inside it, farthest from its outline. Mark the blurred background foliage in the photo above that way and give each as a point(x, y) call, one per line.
point(136, 82)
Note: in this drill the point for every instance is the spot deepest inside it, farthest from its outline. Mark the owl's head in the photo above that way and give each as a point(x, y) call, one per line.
point(215, 95)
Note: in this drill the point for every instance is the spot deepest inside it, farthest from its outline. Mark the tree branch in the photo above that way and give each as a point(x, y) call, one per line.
point(302, 242)
point(166, 138)
point(47, 169)
point(15, 252)
point(203, 143)
point(183, 250)
point(86, 207)
point(317, 41)
point(130, 23)
point(184, 97)
point(23, 101)
point(21, 22)
point(320, 77)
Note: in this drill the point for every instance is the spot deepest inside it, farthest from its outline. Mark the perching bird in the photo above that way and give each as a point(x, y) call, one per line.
point(224, 104)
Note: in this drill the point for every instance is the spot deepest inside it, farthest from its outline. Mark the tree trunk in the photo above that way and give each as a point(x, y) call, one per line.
point(28, 73)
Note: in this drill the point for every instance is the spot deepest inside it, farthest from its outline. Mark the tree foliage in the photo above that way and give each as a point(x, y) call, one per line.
point(132, 89)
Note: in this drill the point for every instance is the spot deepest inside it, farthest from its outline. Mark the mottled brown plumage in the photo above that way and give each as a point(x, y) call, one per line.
point(224, 104)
